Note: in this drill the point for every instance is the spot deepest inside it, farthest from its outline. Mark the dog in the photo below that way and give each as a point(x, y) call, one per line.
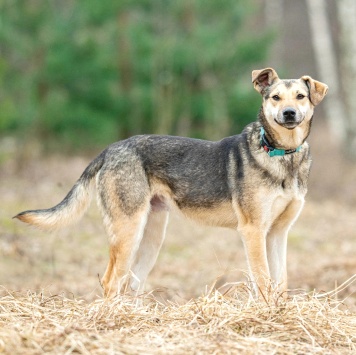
point(254, 182)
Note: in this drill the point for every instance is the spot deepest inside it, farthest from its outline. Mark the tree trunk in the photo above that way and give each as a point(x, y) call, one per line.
point(327, 66)
point(347, 20)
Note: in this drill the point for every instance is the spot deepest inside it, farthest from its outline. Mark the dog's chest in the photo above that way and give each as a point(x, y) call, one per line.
point(283, 185)
point(288, 174)
point(281, 200)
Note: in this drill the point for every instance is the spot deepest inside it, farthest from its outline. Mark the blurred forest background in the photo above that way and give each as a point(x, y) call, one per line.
point(77, 75)
point(80, 74)
point(75, 72)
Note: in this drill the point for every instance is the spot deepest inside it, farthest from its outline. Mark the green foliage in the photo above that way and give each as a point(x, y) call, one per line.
point(88, 72)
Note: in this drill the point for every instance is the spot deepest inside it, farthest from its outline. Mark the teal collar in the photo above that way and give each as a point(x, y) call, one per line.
point(272, 151)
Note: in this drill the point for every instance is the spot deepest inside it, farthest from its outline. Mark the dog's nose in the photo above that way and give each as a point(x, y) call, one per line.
point(289, 114)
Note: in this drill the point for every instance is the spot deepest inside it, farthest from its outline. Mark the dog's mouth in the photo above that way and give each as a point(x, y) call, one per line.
point(289, 124)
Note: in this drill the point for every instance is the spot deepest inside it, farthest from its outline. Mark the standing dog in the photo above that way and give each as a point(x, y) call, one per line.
point(254, 182)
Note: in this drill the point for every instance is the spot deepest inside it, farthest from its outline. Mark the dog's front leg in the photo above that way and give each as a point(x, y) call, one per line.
point(254, 239)
point(277, 243)
point(277, 256)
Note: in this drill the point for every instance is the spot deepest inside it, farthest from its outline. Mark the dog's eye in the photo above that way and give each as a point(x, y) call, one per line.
point(300, 96)
point(276, 98)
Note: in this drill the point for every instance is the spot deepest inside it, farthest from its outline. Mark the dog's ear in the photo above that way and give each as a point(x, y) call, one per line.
point(263, 78)
point(317, 90)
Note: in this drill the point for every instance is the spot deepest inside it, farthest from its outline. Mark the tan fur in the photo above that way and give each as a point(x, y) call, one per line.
point(222, 215)
point(125, 238)
point(317, 89)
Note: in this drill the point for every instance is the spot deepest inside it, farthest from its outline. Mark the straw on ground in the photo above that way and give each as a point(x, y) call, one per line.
point(215, 323)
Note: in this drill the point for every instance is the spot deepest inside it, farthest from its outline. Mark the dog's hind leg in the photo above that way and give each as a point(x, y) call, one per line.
point(151, 243)
point(124, 199)
point(125, 236)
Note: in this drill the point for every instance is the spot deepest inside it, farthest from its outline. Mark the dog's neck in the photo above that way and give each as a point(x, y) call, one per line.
point(283, 138)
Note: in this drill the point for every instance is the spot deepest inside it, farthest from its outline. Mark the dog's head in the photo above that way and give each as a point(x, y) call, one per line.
point(287, 103)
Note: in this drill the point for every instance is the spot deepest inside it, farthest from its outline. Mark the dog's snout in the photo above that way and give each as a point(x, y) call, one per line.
point(289, 114)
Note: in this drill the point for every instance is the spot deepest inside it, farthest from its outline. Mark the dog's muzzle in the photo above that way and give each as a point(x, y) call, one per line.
point(289, 118)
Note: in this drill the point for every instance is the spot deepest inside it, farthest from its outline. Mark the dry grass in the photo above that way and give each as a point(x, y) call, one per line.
point(216, 323)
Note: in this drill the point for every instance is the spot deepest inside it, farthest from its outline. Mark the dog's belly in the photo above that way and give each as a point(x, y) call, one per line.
point(221, 215)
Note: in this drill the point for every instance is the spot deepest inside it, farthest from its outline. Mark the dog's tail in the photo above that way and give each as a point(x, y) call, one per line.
point(73, 205)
